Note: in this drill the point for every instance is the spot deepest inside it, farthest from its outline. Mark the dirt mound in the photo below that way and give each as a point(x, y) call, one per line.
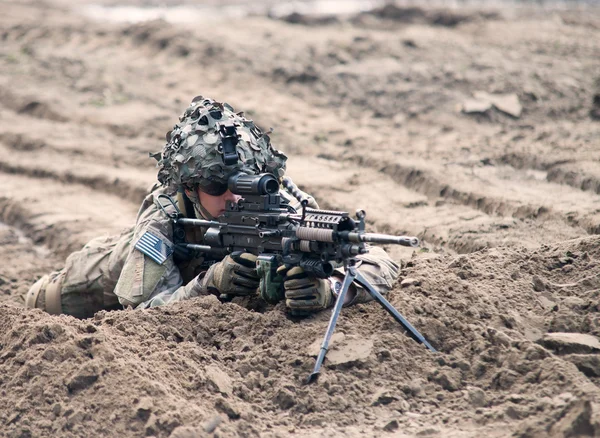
point(29, 106)
point(369, 110)
point(203, 364)
point(310, 20)
point(440, 17)
point(393, 13)
point(595, 111)
point(150, 372)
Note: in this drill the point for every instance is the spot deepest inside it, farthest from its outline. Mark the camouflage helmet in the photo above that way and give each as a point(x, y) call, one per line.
point(194, 153)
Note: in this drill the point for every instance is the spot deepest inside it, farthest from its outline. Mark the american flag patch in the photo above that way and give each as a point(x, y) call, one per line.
point(153, 247)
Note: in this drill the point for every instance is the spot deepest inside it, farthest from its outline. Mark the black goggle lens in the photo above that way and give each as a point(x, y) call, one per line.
point(213, 188)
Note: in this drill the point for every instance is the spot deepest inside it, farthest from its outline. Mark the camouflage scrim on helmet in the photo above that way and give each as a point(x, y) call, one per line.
point(194, 150)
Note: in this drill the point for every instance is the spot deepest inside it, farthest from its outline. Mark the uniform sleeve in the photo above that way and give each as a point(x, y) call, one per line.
point(149, 276)
point(170, 289)
point(379, 269)
point(146, 283)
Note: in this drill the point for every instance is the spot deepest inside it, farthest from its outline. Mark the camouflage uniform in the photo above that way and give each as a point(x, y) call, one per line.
point(118, 271)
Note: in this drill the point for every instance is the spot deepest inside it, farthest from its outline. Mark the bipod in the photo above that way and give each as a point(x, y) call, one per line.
point(351, 275)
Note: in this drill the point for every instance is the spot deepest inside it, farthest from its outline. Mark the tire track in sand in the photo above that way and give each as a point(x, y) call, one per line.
point(495, 194)
point(127, 183)
point(482, 217)
point(61, 216)
point(395, 209)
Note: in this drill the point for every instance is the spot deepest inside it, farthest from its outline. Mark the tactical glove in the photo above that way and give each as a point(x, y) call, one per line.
point(305, 294)
point(234, 275)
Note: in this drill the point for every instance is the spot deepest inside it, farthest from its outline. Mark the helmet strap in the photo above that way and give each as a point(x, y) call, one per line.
point(202, 213)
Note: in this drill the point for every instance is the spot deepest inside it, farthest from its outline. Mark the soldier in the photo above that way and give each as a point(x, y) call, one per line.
point(138, 269)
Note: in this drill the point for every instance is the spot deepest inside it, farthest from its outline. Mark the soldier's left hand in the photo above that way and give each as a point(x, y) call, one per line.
point(305, 294)
point(235, 275)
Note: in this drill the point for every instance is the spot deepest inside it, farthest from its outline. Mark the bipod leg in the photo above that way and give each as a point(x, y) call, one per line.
point(413, 332)
point(348, 279)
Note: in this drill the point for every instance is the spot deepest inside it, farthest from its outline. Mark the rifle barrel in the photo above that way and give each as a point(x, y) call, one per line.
point(199, 222)
point(195, 247)
point(203, 249)
point(389, 239)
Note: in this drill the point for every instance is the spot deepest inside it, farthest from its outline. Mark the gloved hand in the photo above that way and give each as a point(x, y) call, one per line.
point(234, 275)
point(305, 294)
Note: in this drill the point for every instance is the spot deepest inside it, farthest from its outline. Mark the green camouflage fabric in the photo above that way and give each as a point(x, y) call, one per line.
point(172, 286)
point(111, 270)
point(145, 283)
point(155, 285)
point(378, 268)
point(193, 154)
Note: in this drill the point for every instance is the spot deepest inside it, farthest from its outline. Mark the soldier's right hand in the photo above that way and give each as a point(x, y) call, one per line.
point(234, 275)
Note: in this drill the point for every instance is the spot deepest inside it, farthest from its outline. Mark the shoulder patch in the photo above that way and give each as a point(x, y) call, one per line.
point(154, 247)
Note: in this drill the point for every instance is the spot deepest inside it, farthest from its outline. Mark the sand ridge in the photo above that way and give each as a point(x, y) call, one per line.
point(370, 107)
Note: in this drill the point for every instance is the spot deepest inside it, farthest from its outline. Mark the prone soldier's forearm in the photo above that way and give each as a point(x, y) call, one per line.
point(167, 288)
point(169, 296)
point(379, 269)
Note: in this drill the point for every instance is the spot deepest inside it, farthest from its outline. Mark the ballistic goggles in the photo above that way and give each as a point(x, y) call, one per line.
point(213, 188)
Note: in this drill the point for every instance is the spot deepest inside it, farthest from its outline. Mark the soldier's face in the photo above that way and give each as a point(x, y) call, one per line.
point(215, 205)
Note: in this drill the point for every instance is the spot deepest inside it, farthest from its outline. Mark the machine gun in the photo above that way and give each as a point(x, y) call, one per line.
point(264, 223)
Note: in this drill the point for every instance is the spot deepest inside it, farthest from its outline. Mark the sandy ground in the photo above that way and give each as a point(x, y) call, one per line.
point(476, 130)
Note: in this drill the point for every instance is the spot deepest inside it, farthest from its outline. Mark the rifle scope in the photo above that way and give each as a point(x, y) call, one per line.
point(263, 184)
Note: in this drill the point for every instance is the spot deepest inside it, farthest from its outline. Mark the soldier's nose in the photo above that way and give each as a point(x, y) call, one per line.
point(229, 196)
